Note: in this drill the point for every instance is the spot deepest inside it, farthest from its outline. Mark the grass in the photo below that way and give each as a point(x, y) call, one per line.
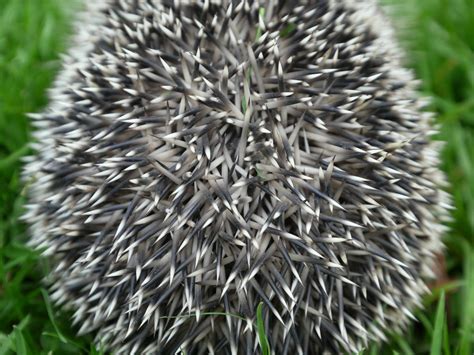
point(32, 34)
point(439, 36)
point(440, 41)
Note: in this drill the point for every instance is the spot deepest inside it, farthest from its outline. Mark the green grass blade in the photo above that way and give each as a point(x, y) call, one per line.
point(51, 316)
point(467, 322)
point(20, 344)
point(5, 344)
point(437, 340)
point(446, 345)
point(262, 336)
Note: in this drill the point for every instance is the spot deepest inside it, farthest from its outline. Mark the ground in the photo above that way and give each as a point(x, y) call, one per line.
point(439, 38)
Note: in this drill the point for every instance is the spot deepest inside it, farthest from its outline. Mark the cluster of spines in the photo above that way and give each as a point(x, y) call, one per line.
point(199, 157)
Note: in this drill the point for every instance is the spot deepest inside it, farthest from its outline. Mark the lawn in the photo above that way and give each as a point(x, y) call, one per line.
point(439, 37)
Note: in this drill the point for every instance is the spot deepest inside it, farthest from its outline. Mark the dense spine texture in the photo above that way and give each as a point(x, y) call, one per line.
point(200, 157)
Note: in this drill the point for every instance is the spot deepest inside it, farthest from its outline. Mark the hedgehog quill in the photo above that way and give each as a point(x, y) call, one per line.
point(200, 157)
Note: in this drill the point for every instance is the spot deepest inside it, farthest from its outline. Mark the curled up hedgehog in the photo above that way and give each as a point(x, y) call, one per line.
point(200, 157)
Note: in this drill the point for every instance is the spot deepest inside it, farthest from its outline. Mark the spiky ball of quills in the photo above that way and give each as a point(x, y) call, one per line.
point(200, 157)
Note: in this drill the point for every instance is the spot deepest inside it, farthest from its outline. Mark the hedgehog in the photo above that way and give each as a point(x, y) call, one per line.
point(201, 157)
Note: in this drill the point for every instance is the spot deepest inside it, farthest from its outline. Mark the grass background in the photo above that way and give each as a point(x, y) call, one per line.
point(439, 37)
